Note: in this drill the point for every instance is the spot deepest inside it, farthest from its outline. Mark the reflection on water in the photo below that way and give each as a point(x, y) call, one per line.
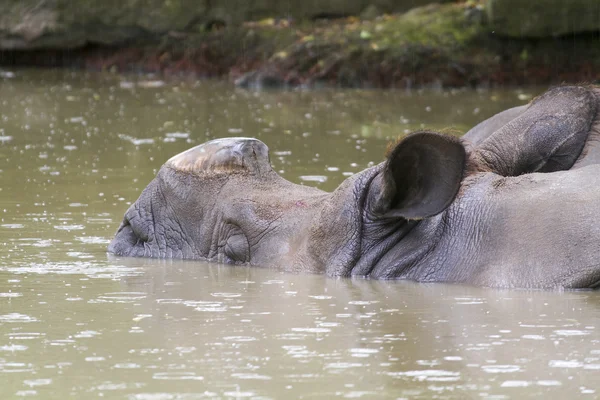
point(76, 149)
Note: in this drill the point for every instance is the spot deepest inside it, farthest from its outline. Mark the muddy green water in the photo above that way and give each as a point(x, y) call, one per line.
point(76, 149)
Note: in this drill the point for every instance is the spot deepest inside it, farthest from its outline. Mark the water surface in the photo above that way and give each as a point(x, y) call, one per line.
point(76, 149)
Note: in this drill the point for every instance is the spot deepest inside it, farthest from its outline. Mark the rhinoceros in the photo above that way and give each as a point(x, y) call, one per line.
point(514, 203)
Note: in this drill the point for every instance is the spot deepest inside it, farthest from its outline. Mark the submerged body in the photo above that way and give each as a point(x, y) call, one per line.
point(513, 204)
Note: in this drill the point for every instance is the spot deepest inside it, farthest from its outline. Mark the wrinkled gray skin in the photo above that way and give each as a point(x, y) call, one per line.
point(515, 203)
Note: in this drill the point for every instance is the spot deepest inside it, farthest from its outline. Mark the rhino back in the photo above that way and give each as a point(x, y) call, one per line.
point(536, 230)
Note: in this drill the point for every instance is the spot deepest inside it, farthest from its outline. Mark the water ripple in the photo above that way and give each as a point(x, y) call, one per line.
point(16, 317)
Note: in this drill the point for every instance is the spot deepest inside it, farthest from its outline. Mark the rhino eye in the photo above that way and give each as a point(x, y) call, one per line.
point(236, 249)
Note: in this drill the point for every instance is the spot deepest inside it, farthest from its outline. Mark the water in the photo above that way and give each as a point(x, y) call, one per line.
point(76, 149)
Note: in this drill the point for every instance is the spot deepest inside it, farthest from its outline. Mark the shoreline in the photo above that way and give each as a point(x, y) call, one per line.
point(439, 46)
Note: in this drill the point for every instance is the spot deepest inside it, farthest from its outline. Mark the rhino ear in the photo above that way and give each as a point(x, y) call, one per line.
point(421, 176)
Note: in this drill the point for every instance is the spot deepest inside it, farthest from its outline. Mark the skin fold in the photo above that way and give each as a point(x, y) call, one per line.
point(513, 204)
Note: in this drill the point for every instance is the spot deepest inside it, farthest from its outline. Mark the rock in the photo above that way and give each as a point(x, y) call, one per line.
point(26, 24)
point(543, 18)
point(63, 24)
point(260, 80)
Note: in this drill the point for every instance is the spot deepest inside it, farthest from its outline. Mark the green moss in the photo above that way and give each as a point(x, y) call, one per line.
point(444, 28)
point(435, 26)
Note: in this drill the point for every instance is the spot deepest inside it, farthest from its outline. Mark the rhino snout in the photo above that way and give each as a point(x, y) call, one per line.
point(128, 241)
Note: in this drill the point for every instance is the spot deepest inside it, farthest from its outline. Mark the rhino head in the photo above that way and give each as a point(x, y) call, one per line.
point(222, 201)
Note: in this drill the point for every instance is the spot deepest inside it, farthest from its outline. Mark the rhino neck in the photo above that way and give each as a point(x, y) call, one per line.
point(390, 246)
point(345, 239)
point(394, 249)
point(406, 255)
point(333, 244)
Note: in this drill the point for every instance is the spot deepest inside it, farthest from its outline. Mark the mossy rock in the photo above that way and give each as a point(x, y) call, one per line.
point(543, 18)
point(389, 49)
point(27, 24)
